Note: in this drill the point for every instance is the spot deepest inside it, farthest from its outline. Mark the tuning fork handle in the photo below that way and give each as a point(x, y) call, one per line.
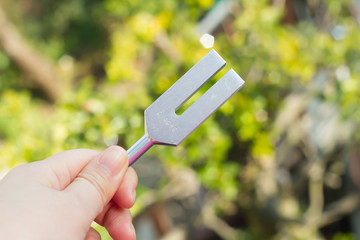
point(139, 148)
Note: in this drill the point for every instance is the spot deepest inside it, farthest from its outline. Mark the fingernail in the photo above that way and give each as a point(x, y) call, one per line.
point(113, 159)
point(133, 195)
point(132, 231)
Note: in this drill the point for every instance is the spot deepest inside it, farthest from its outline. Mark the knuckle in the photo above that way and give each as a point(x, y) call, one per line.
point(26, 170)
point(97, 180)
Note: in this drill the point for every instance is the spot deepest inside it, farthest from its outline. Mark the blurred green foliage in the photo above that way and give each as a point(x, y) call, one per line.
point(344, 236)
point(142, 48)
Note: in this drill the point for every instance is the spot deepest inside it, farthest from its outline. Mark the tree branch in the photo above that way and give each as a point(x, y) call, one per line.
point(41, 70)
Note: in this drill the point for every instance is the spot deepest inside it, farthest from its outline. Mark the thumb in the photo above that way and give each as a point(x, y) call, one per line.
point(96, 184)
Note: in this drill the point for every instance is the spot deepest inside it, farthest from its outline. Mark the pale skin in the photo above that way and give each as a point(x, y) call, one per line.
point(59, 197)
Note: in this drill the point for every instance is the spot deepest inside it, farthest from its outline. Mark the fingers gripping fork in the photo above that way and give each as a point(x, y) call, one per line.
point(164, 126)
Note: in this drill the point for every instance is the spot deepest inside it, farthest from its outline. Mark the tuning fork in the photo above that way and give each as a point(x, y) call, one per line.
point(163, 126)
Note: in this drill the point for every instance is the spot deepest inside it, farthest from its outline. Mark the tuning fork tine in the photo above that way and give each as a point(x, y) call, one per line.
point(164, 126)
point(190, 82)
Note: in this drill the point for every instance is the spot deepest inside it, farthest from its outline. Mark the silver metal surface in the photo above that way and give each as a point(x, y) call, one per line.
point(139, 148)
point(164, 126)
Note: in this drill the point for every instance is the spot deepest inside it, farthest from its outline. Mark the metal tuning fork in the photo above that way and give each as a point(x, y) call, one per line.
point(162, 124)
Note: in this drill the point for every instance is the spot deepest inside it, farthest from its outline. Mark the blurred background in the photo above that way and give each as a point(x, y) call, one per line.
point(280, 160)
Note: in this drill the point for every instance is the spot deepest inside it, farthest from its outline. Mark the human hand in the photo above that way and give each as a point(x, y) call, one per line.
point(59, 197)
